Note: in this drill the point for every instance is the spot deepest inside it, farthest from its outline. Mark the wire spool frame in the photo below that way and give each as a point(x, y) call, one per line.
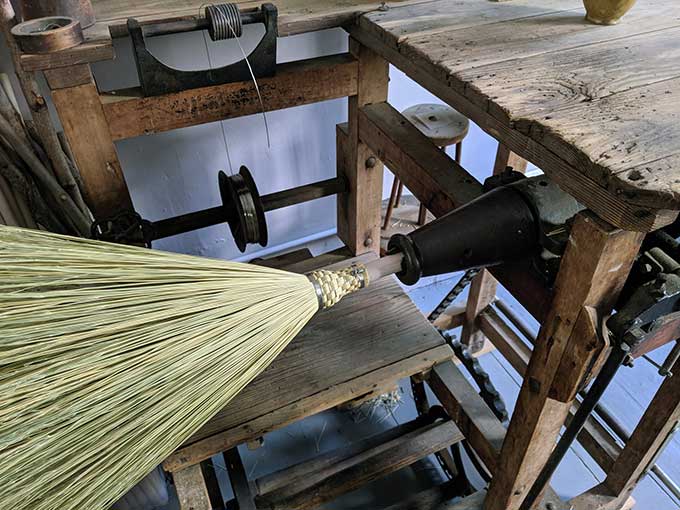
point(245, 210)
point(225, 21)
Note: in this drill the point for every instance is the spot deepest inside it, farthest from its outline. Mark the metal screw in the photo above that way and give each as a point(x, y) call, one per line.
point(368, 242)
point(371, 162)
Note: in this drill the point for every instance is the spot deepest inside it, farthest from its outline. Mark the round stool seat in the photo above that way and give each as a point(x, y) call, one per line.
point(439, 122)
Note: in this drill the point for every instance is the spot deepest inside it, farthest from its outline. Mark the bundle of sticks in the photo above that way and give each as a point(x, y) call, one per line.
point(39, 181)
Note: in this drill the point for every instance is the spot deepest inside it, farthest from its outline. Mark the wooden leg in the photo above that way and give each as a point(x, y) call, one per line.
point(593, 271)
point(422, 215)
point(390, 203)
point(506, 158)
point(359, 210)
point(459, 152)
point(483, 289)
point(192, 491)
point(239, 480)
point(648, 440)
point(87, 132)
point(482, 293)
point(400, 192)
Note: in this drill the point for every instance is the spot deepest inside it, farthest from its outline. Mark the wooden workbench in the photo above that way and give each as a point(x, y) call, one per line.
point(596, 108)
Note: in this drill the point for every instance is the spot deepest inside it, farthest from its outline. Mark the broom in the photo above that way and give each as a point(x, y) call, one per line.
point(112, 356)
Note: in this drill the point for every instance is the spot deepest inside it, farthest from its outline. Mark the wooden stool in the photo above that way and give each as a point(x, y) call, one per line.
point(444, 126)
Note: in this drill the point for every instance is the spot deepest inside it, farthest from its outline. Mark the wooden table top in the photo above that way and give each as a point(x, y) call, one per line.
point(596, 107)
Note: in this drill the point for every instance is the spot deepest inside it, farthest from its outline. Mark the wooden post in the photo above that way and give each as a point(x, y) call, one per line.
point(192, 491)
point(505, 158)
point(359, 209)
point(648, 439)
point(592, 273)
point(483, 289)
point(77, 101)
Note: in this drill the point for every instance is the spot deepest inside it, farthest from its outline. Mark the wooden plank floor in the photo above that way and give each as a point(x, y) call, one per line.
point(596, 107)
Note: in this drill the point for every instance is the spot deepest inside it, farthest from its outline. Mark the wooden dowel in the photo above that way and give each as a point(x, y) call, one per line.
point(384, 266)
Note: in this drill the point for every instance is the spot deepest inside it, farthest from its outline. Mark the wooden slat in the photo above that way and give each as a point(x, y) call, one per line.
point(612, 208)
point(192, 492)
point(365, 467)
point(479, 425)
point(428, 499)
point(298, 83)
point(294, 411)
point(330, 462)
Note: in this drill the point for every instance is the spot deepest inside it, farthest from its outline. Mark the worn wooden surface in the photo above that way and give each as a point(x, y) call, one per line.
point(129, 114)
point(592, 273)
point(295, 17)
point(372, 337)
point(597, 108)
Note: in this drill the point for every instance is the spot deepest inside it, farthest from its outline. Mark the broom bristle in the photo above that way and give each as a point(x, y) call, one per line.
point(113, 356)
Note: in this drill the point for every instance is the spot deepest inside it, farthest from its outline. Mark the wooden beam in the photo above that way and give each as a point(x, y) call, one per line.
point(191, 489)
point(87, 132)
point(592, 273)
point(359, 209)
point(442, 185)
point(428, 499)
point(308, 406)
point(475, 419)
point(316, 489)
point(129, 114)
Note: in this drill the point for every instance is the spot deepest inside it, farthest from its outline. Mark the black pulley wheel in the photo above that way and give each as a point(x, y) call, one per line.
point(245, 213)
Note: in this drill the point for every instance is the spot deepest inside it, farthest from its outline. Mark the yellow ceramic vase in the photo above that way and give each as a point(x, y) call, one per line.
point(606, 12)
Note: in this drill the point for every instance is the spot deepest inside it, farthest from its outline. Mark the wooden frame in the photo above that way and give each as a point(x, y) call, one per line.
point(589, 280)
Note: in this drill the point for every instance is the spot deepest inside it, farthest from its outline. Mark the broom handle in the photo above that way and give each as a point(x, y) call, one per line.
point(384, 266)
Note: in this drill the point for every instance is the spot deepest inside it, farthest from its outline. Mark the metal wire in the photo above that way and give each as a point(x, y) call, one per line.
point(225, 21)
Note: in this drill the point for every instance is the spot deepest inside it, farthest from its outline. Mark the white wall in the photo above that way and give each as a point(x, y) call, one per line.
point(176, 172)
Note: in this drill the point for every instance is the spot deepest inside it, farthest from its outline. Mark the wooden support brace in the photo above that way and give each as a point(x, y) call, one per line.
point(483, 289)
point(130, 114)
point(593, 271)
point(192, 491)
point(359, 209)
point(87, 132)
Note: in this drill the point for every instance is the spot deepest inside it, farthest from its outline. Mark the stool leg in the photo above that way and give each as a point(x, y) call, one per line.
point(459, 152)
point(400, 191)
point(390, 203)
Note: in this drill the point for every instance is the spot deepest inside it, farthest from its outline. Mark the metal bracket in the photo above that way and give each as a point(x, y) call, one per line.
point(157, 78)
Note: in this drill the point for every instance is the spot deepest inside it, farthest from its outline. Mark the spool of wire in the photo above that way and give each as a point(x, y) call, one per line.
point(225, 21)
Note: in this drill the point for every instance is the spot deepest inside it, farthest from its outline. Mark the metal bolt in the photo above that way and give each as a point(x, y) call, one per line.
point(368, 242)
point(371, 162)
